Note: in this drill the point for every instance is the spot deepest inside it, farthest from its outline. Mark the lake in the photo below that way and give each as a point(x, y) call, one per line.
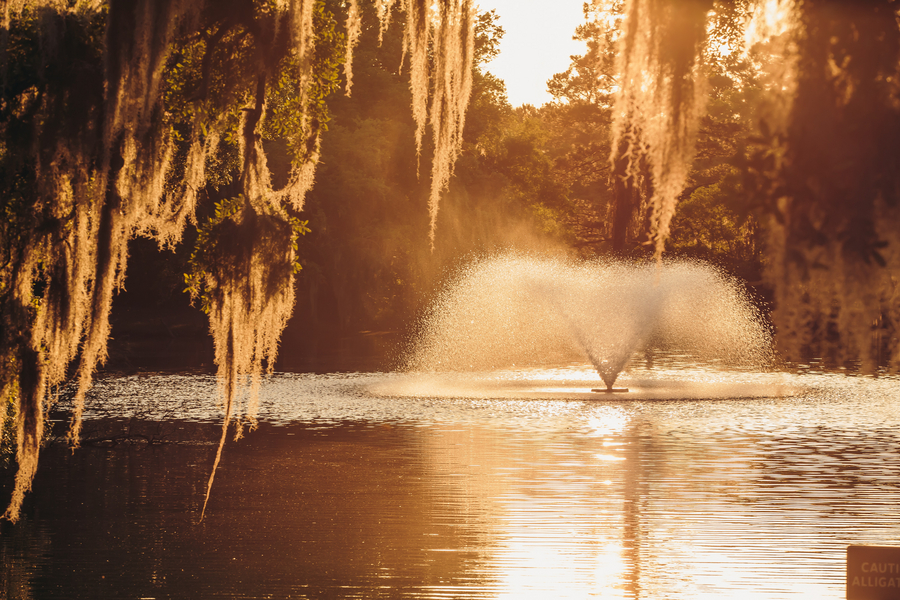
point(699, 483)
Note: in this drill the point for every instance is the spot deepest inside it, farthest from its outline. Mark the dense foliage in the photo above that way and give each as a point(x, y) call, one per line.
point(761, 136)
point(119, 116)
point(813, 87)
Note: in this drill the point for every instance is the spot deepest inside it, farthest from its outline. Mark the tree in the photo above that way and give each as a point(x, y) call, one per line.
point(714, 220)
point(580, 118)
point(505, 193)
point(368, 265)
point(115, 117)
point(821, 170)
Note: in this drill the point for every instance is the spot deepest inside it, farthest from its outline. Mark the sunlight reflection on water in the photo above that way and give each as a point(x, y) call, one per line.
point(523, 484)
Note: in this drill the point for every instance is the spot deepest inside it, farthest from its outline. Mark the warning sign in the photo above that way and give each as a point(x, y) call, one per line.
point(873, 573)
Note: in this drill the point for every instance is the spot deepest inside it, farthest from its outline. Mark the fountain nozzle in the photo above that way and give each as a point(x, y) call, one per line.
point(609, 390)
point(609, 380)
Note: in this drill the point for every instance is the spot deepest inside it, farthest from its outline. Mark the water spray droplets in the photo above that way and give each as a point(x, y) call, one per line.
point(528, 311)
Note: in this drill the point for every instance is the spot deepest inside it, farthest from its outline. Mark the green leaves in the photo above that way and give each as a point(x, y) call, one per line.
point(229, 237)
point(203, 262)
point(298, 228)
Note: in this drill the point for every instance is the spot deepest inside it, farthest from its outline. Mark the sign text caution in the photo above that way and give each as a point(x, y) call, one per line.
point(873, 573)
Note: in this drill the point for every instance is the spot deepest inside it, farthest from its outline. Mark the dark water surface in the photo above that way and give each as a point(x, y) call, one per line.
point(698, 484)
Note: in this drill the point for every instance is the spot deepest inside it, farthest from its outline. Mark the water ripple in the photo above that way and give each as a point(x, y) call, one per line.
point(706, 484)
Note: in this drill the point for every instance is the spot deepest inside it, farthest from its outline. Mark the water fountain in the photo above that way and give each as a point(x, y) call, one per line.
point(520, 311)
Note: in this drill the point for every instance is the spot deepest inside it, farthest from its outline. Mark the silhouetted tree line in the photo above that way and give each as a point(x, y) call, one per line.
point(541, 177)
point(784, 159)
point(777, 160)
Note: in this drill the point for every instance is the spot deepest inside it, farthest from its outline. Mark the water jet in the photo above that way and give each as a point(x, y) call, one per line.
point(522, 311)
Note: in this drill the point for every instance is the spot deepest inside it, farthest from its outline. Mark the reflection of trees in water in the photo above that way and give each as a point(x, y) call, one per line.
point(818, 465)
point(298, 510)
point(691, 501)
point(20, 549)
point(543, 509)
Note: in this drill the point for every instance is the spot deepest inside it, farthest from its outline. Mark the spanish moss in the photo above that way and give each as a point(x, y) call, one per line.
point(452, 87)
point(820, 170)
point(120, 114)
point(354, 24)
point(659, 106)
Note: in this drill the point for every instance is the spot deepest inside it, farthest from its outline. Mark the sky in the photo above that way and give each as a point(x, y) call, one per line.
point(537, 44)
